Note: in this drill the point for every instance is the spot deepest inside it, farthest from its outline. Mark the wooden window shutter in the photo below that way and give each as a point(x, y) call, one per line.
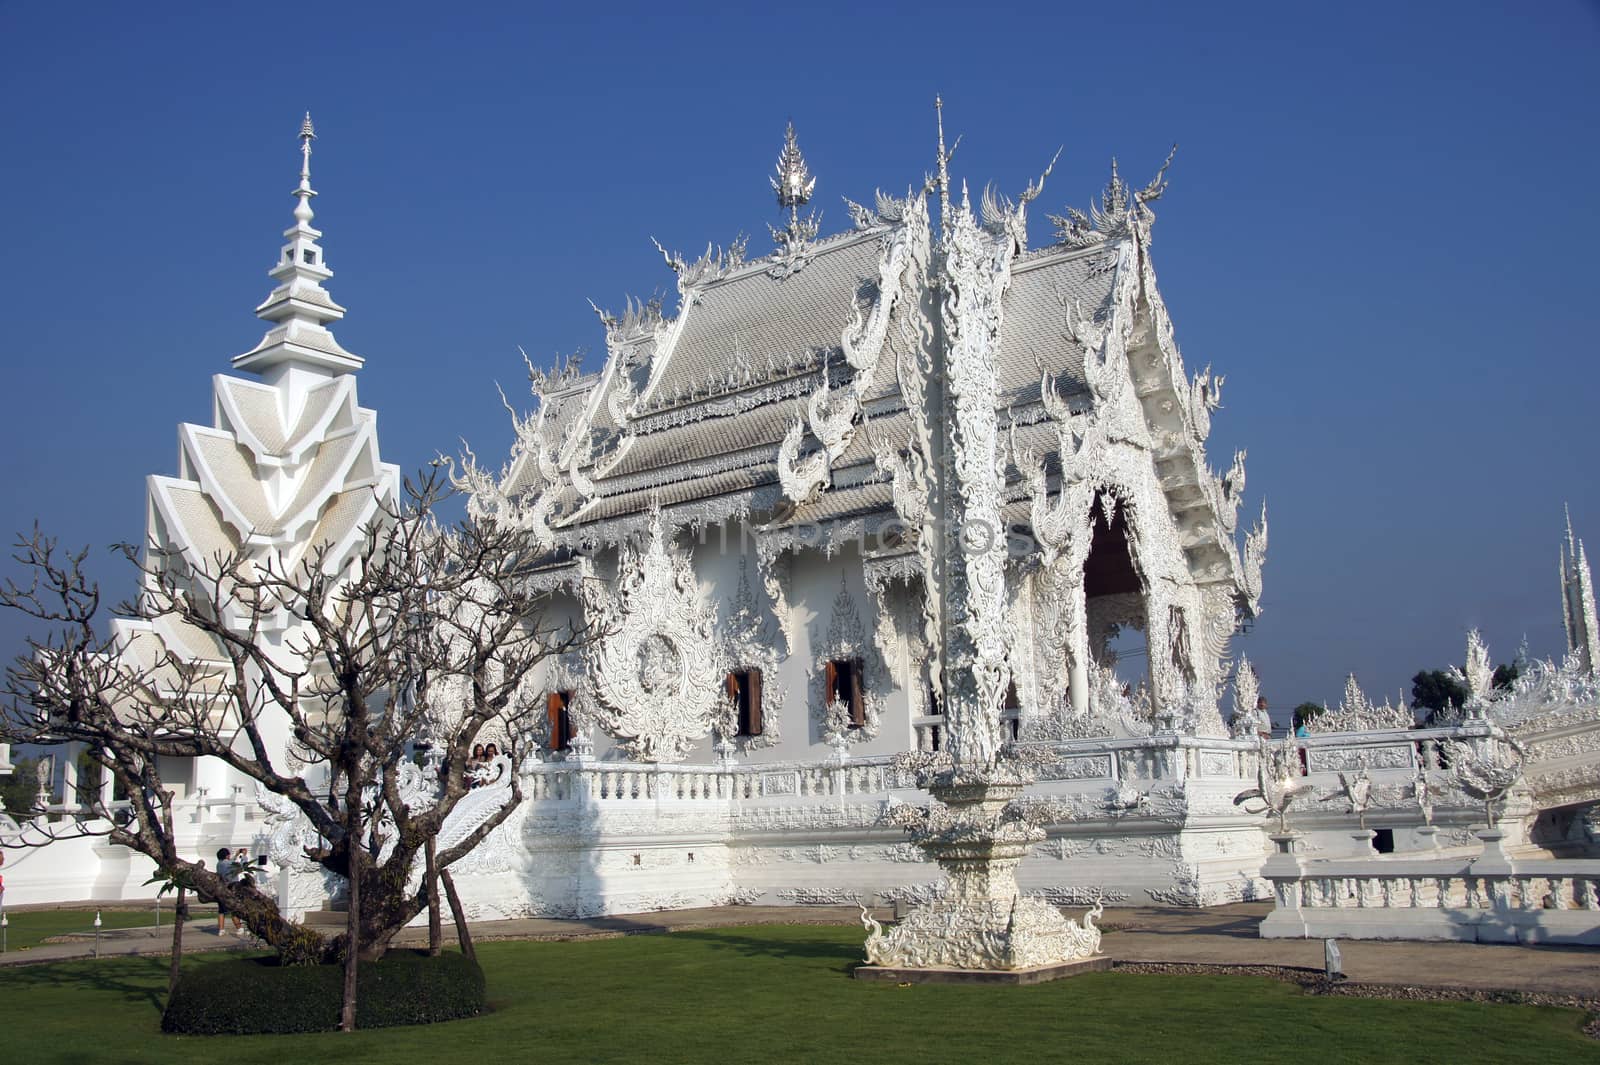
point(830, 685)
point(753, 695)
point(858, 709)
point(560, 720)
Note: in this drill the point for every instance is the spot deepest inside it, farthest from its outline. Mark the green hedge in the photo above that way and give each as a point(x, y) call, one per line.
point(249, 996)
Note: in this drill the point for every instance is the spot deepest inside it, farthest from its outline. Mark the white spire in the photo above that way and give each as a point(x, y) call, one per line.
point(1577, 602)
point(299, 308)
point(302, 210)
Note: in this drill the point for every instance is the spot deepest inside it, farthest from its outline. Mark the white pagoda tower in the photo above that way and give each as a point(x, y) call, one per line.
point(289, 471)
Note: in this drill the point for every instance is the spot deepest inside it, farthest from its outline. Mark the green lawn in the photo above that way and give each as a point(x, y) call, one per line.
point(782, 994)
point(29, 928)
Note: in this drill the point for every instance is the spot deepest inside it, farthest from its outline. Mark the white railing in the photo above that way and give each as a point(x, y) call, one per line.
point(618, 782)
point(1488, 898)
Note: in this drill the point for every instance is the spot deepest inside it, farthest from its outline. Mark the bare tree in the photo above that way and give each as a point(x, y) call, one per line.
point(326, 677)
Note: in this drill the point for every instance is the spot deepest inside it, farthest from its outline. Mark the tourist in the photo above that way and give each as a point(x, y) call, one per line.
point(474, 764)
point(226, 871)
point(244, 868)
point(488, 772)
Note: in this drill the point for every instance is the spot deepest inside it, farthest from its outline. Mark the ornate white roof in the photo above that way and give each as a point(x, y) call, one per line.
point(775, 388)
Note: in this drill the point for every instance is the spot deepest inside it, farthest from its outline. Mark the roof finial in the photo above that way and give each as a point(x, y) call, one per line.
point(793, 182)
point(299, 308)
point(308, 133)
point(943, 178)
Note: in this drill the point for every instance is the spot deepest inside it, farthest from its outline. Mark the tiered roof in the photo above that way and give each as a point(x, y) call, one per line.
point(291, 465)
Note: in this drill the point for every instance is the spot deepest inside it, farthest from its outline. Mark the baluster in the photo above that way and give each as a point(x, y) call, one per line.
point(1530, 894)
point(1386, 890)
point(1558, 892)
point(1588, 897)
point(1414, 885)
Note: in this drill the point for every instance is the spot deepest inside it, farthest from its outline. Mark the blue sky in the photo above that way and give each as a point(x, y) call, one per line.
point(1381, 228)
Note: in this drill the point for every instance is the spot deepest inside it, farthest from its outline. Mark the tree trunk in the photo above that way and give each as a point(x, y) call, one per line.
point(461, 918)
point(180, 914)
point(435, 929)
point(352, 947)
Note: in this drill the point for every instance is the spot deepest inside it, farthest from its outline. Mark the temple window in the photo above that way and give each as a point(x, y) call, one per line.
point(844, 686)
point(309, 256)
point(744, 690)
point(558, 709)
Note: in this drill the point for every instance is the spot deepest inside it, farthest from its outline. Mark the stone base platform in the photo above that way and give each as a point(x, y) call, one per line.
point(1039, 974)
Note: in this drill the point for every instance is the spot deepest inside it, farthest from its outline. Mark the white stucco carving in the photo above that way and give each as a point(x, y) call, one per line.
point(656, 665)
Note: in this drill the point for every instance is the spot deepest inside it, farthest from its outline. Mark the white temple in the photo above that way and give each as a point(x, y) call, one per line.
point(743, 491)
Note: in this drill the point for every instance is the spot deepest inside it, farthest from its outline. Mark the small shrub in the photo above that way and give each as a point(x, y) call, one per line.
point(258, 996)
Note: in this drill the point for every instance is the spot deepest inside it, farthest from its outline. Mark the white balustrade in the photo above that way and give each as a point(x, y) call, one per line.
point(1486, 899)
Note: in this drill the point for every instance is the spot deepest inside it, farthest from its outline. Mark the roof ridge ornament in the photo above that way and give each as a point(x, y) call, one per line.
point(794, 183)
point(941, 178)
point(1120, 211)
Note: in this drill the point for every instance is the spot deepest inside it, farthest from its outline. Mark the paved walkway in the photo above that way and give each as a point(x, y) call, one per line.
point(1224, 935)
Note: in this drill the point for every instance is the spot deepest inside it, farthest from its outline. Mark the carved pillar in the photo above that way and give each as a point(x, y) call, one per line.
point(1078, 647)
point(1158, 644)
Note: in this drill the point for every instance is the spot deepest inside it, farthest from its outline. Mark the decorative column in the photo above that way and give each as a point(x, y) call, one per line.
point(1078, 647)
point(976, 829)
